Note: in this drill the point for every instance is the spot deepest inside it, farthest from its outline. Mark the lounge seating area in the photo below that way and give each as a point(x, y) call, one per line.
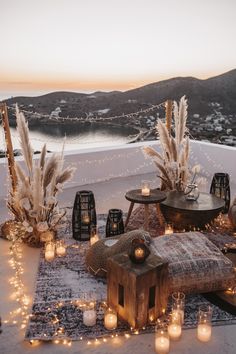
point(109, 293)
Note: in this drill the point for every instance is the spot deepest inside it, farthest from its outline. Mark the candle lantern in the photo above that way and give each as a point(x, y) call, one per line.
point(84, 217)
point(115, 224)
point(138, 251)
point(220, 187)
point(204, 323)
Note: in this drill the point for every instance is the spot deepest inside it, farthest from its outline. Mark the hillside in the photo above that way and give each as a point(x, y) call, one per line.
point(200, 94)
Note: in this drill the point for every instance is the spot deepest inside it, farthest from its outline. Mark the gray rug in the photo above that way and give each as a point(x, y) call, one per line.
point(63, 282)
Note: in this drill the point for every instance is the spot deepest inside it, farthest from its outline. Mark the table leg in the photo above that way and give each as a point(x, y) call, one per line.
point(159, 214)
point(146, 217)
point(129, 213)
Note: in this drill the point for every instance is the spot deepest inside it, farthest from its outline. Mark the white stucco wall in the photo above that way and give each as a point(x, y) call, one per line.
point(94, 165)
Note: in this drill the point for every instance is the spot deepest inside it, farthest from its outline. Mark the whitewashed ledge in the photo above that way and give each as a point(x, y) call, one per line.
point(101, 164)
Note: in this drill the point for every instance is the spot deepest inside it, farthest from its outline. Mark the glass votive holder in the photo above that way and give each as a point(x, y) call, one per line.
point(162, 341)
point(178, 303)
point(60, 248)
point(191, 192)
point(175, 326)
point(145, 188)
point(49, 251)
point(204, 327)
point(169, 228)
point(110, 319)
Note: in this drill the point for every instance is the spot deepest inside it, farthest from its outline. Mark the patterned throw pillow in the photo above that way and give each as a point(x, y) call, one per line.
point(195, 264)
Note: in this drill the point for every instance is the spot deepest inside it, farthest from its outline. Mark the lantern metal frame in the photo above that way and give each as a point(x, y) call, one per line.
point(84, 218)
point(220, 187)
point(114, 224)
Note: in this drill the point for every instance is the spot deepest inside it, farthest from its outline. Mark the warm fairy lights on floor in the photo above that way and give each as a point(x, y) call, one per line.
point(21, 314)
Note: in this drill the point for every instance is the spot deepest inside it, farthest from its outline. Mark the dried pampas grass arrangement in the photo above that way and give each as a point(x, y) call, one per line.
point(173, 163)
point(34, 203)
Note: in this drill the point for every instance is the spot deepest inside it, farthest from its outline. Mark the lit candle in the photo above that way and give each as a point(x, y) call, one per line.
point(86, 219)
point(204, 332)
point(174, 331)
point(89, 317)
point(110, 319)
point(93, 239)
point(139, 253)
point(145, 190)
point(168, 229)
point(162, 344)
point(50, 251)
point(60, 248)
point(114, 226)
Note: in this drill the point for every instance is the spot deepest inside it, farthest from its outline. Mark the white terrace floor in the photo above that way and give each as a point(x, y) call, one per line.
point(108, 194)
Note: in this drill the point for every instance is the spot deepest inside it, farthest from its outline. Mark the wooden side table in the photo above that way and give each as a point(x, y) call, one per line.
point(135, 196)
point(138, 292)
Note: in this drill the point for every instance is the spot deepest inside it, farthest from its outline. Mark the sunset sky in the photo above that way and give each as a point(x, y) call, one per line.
point(88, 45)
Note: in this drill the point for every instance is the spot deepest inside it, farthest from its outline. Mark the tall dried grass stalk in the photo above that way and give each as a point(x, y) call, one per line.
point(173, 162)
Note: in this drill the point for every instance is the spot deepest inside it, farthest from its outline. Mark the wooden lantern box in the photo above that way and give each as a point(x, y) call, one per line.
point(138, 292)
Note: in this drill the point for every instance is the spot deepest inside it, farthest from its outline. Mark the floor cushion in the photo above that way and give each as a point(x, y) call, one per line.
point(195, 264)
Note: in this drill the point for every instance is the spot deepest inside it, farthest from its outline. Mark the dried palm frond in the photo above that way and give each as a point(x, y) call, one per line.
point(37, 191)
point(164, 138)
point(20, 173)
point(182, 118)
point(152, 153)
point(174, 149)
point(23, 131)
point(164, 172)
point(66, 175)
point(42, 157)
point(50, 170)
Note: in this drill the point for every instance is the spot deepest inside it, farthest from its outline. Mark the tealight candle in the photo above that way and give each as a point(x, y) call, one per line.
point(60, 248)
point(169, 229)
point(162, 342)
point(114, 226)
point(139, 253)
point(110, 319)
point(174, 328)
point(145, 190)
point(49, 251)
point(86, 219)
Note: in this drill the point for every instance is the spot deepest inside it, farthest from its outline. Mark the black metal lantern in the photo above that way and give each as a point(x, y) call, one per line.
point(84, 217)
point(115, 224)
point(138, 251)
point(220, 188)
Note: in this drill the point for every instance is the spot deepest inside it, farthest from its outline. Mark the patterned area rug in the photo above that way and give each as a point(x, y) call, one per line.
point(63, 283)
